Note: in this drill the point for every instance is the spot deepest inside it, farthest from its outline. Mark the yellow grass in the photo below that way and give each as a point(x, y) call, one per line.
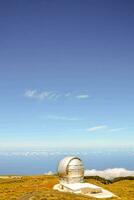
point(40, 188)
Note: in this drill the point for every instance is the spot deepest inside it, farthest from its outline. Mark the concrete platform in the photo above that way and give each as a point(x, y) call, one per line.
point(87, 189)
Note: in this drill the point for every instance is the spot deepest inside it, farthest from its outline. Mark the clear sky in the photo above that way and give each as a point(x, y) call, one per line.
point(66, 73)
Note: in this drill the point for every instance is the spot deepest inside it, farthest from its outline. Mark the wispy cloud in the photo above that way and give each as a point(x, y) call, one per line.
point(62, 118)
point(116, 129)
point(97, 128)
point(68, 94)
point(50, 95)
point(34, 94)
point(82, 96)
point(104, 127)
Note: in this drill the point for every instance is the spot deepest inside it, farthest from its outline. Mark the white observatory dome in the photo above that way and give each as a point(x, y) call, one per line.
point(71, 170)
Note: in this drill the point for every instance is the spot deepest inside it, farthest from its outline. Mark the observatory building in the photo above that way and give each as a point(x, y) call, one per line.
point(71, 177)
point(71, 170)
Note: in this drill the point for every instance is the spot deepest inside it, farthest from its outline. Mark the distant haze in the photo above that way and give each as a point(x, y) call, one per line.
point(102, 162)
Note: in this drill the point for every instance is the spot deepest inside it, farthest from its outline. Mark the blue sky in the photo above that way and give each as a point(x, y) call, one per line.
point(66, 73)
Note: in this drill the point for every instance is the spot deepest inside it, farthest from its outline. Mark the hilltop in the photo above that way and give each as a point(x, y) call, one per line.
point(40, 188)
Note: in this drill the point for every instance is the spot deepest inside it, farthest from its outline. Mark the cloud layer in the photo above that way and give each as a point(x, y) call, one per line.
point(110, 173)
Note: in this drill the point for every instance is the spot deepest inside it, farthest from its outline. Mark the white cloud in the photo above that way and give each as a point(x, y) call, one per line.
point(68, 94)
point(49, 173)
point(82, 96)
point(96, 128)
point(116, 129)
point(50, 95)
point(30, 93)
point(34, 94)
point(110, 173)
point(62, 118)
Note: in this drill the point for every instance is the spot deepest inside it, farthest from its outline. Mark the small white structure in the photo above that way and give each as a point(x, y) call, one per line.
point(71, 174)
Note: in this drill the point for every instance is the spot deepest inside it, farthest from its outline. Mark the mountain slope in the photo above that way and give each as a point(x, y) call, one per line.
point(40, 188)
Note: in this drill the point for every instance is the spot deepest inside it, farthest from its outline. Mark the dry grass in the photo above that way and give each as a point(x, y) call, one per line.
point(40, 188)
